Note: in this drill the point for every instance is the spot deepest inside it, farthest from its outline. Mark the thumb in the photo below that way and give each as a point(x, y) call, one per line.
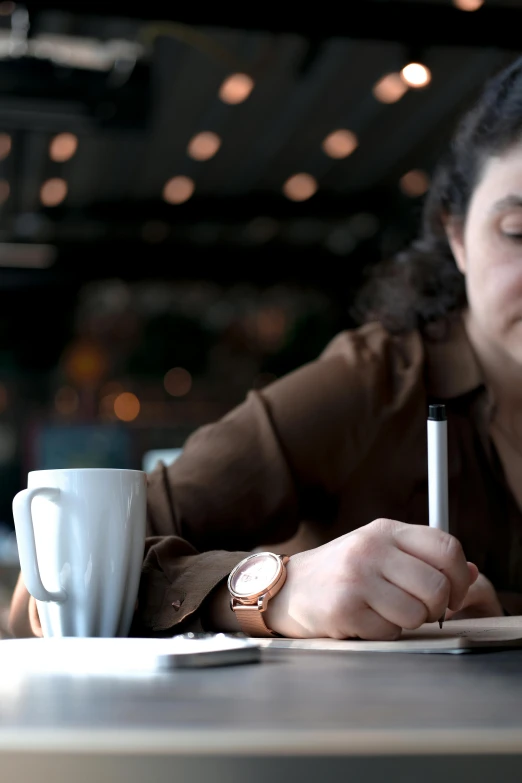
point(473, 572)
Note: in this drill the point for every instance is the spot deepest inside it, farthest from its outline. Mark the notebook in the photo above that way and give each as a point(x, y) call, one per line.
point(456, 636)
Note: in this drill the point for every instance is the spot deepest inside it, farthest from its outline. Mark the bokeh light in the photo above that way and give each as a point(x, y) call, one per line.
point(85, 363)
point(178, 190)
point(261, 229)
point(5, 145)
point(363, 225)
point(5, 190)
point(63, 147)
point(416, 75)
point(204, 145)
point(270, 327)
point(340, 143)
point(300, 187)
point(236, 88)
point(66, 401)
point(53, 192)
point(341, 241)
point(415, 183)
point(155, 231)
point(107, 405)
point(390, 88)
point(178, 382)
point(468, 5)
point(126, 406)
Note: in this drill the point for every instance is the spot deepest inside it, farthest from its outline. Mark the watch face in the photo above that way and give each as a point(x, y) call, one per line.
point(255, 575)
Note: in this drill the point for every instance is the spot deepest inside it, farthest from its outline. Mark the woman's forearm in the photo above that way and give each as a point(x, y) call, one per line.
point(216, 614)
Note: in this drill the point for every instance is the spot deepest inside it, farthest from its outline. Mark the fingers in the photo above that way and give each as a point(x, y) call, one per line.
point(440, 550)
point(473, 572)
point(371, 626)
point(421, 581)
point(397, 606)
point(481, 601)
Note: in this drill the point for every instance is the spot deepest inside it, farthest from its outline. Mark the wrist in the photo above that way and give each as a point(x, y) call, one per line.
point(276, 615)
point(216, 615)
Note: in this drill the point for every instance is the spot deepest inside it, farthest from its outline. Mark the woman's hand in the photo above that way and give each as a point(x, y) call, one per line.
point(372, 583)
point(481, 601)
point(23, 617)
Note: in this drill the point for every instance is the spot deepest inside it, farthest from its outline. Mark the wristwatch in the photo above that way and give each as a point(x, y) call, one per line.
point(252, 583)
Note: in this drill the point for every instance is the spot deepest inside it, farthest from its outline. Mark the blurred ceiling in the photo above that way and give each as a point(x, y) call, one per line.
point(135, 91)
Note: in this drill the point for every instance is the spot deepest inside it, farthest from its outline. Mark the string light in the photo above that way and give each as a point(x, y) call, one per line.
point(178, 190)
point(178, 382)
point(204, 145)
point(84, 362)
point(416, 75)
point(390, 88)
point(236, 88)
point(126, 406)
point(5, 145)
point(300, 187)
point(415, 183)
point(53, 192)
point(340, 143)
point(107, 406)
point(63, 147)
point(468, 5)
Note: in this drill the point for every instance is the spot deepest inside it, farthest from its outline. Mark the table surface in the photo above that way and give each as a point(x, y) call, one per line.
point(294, 704)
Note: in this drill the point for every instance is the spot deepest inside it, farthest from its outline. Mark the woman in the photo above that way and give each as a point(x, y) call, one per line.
point(329, 463)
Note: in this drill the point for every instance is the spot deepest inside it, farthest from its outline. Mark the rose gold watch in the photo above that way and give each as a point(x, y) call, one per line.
point(252, 583)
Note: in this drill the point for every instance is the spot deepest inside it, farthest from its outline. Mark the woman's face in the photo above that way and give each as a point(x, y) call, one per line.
point(488, 251)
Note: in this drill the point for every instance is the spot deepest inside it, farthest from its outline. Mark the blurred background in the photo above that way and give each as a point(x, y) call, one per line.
point(189, 202)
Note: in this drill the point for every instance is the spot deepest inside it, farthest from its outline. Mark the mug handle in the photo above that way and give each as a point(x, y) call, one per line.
point(26, 542)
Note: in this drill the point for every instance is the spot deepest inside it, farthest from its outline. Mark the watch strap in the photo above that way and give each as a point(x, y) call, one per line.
point(252, 622)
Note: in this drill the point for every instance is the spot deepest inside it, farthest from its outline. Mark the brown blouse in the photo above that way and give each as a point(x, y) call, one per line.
point(326, 449)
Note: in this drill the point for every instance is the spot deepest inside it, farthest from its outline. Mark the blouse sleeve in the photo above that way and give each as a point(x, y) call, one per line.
point(252, 476)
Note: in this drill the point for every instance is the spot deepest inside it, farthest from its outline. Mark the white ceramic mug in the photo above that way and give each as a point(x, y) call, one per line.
point(81, 536)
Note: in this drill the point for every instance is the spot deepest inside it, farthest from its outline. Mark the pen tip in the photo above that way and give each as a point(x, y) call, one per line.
point(440, 623)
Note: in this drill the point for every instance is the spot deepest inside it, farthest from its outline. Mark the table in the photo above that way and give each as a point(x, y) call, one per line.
point(298, 716)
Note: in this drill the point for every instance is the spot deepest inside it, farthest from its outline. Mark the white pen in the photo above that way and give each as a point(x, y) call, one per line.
point(438, 471)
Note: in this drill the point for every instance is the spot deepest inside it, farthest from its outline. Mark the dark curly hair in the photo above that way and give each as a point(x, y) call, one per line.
point(422, 286)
